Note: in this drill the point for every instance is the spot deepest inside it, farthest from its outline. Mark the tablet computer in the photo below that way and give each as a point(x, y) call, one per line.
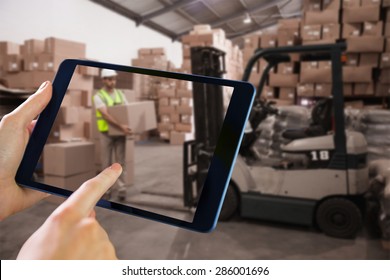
point(154, 192)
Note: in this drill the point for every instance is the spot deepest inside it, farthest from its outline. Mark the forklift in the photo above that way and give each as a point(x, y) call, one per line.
point(327, 191)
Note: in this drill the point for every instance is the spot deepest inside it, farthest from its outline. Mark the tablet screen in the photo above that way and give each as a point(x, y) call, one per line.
point(160, 113)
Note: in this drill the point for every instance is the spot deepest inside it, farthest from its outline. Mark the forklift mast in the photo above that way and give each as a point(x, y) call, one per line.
point(208, 120)
point(208, 98)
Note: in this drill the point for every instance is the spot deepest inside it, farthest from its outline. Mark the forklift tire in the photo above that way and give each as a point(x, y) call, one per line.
point(339, 217)
point(230, 204)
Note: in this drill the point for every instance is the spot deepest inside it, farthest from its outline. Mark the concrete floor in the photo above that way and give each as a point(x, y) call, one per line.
point(136, 238)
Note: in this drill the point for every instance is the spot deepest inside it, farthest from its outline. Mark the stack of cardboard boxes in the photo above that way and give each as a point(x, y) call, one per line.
point(383, 85)
point(204, 35)
point(320, 25)
point(364, 24)
point(173, 98)
point(175, 111)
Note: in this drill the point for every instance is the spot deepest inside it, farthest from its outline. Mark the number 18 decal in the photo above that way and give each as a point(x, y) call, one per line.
point(319, 155)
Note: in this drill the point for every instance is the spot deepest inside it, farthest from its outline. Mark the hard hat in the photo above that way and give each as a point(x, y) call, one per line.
point(108, 73)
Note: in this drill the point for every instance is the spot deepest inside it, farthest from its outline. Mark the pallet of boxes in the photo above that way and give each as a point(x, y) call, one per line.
point(172, 98)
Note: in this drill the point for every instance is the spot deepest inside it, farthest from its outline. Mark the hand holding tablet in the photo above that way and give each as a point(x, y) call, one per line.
point(210, 202)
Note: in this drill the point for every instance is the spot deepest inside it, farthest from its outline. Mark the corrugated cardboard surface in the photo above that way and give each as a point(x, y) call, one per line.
point(66, 159)
point(139, 116)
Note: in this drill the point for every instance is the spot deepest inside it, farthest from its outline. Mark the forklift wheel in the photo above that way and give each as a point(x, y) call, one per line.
point(230, 204)
point(339, 217)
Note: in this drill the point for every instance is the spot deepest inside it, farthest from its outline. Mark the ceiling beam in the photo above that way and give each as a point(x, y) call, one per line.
point(261, 7)
point(133, 16)
point(164, 10)
point(243, 33)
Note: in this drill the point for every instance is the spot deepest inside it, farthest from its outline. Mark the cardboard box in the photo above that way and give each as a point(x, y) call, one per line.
point(387, 45)
point(184, 93)
point(88, 71)
point(373, 28)
point(365, 44)
point(351, 3)
point(183, 127)
point(268, 92)
point(72, 132)
point(386, 32)
point(185, 119)
point(184, 110)
point(361, 14)
point(311, 32)
point(363, 89)
point(33, 46)
point(331, 31)
point(319, 75)
point(139, 116)
point(7, 48)
point(369, 59)
point(352, 30)
point(30, 62)
point(166, 92)
point(49, 62)
point(166, 110)
point(80, 82)
point(385, 60)
point(331, 5)
point(66, 159)
point(289, 23)
point(68, 115)
point(252, 42)
point(165, 126)
point(323, 17)
point(352, 59)
point(287, 93)
point(177, 138)
point(287, 68)
point(72, 182)
point(361, 74)
point(288, 37)
point(306, 90)
point(384, 77)
point(12, 63)
point(347, 89)
point(65, 47)
point(371, 2)
point(382, 90)
point(268, 40)
point(323, 90)
point(312, 5)
point(175, 118)
point(283, 80)
point(28, 80)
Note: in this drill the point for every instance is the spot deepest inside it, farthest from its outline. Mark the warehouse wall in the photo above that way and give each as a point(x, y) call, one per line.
point(109, 36)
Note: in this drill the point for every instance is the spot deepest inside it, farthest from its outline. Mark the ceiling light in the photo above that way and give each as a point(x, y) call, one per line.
point(247, 19)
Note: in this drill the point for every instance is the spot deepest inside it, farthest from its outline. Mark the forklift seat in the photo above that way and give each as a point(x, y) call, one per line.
point(321, 123)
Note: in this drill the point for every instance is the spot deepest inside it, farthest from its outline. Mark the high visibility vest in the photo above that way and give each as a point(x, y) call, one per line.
point(102, 124)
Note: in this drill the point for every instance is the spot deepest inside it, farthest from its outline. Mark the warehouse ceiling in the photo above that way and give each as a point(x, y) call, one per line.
point(175, 18)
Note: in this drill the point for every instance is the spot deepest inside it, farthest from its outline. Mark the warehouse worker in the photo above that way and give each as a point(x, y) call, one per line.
point(111, 146)
point(71, 231)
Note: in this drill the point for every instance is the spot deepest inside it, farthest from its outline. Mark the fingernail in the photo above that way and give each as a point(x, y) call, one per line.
point(116, 167)
point(43, 85)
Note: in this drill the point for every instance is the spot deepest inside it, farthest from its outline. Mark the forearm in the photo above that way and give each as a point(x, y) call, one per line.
point(111, 120)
